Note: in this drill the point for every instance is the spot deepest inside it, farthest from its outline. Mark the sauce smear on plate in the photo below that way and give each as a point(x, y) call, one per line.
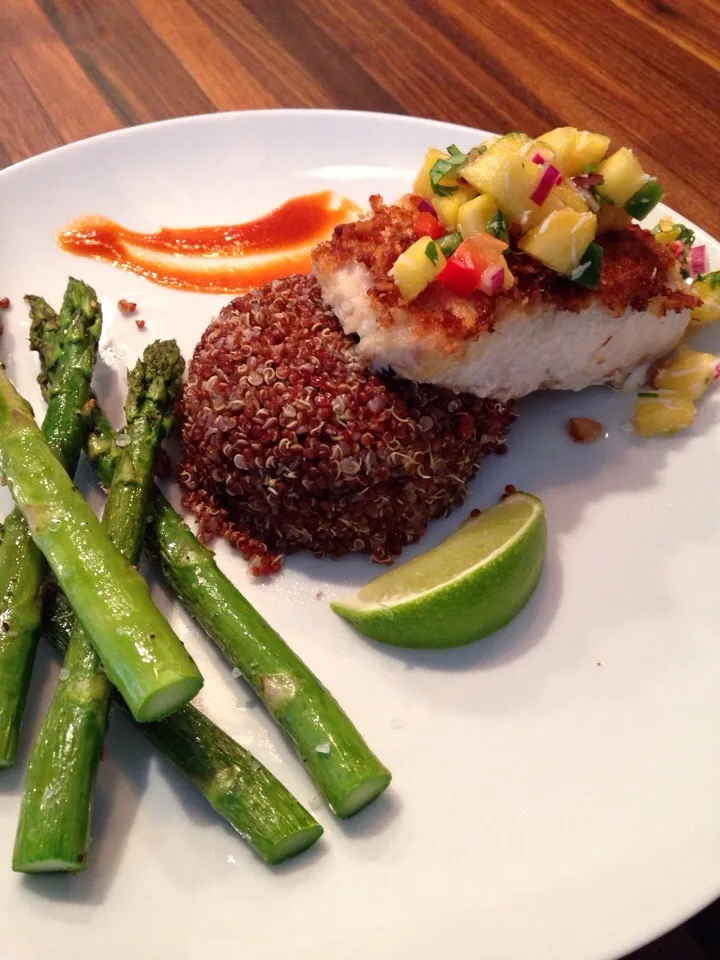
point(220, 259)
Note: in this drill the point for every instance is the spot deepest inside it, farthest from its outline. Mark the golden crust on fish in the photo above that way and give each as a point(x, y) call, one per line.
point(638, 313)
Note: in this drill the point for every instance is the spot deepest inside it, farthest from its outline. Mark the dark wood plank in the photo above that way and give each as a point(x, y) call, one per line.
point(222, 76)
point(138, 73)
point(72, 105)
point(644, 71)
point(321, 55)
point(263, 54)
point(425, 72)
point(25, 126)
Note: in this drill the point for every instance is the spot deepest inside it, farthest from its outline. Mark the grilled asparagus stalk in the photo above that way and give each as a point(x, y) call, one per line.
point(141, 654)
point(54, 826)
point(71, 340)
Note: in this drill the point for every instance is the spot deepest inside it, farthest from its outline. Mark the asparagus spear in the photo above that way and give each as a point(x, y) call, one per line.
point(337, 758)
point(141, 654)
point(235, 784)
point(342, 765)
point(345, 770)
point(54, 827)
point(72, 338)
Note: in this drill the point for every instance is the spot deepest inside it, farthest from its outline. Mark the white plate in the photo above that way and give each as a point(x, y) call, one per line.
point(557, 787)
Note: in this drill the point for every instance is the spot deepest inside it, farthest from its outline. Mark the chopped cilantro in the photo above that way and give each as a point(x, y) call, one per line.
point(600, 197)
point(431, 252)
point(648, 393)
point(480, 149)
point(711, 279)
point(443, 166)
point(686, 235)
point(497, 227)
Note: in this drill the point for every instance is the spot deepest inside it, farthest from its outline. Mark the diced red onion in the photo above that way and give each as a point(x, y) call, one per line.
point(426, 207)
point(587, 180)
point(549, 177)
point(717, 372)
point(491, 280)
point(538, 158)
point(698, 260)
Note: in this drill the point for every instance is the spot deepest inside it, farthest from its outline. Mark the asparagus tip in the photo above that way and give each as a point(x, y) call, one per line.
point(155, 379)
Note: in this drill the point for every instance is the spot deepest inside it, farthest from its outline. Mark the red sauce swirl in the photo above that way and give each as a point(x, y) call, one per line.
point(217, 259)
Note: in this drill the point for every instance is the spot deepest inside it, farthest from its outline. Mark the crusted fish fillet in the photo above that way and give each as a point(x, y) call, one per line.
point(545, 333)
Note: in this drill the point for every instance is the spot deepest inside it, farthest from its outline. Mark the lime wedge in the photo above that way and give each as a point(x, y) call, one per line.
point(467, 587)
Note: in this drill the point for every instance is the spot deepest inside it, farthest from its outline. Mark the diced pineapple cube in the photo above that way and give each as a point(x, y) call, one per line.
point(417, 267)
point(571, 197)
point(575, 150)
point(663, 411)
point(561, 141)
point(667, 231)
point(689, 371)
point(588, 150)
point(612, 218)
point(512, 142)
point(448, 208)
point(474, 215)
point(709, 312)
point(561, 239)
point(534, 147)
point(484, 170)
point(622, 176)
point(511, 184)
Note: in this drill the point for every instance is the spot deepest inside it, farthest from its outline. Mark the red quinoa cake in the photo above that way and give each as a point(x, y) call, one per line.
point(290, 442)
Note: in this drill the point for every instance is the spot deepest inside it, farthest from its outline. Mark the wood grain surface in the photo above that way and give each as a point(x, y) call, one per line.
point(646, 72)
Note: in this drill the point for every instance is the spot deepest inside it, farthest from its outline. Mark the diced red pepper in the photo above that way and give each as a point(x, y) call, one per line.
point(460, 274)
point(426, 225)
point(677, 248)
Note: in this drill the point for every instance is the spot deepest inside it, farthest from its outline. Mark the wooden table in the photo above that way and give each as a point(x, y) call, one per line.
point(646, 72)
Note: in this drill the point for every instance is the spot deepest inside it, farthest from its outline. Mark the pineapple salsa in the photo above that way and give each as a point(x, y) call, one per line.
point(553, 196)
point(668, 405)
